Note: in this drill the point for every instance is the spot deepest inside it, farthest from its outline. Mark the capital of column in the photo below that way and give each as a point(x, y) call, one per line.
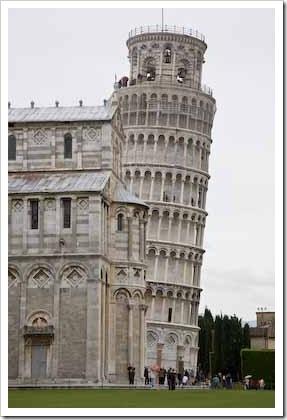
point(143, 307)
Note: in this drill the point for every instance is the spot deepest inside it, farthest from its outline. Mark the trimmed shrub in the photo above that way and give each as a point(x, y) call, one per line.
point(259, 364)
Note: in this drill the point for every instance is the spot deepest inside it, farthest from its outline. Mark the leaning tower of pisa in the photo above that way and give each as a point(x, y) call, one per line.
point(167, 117)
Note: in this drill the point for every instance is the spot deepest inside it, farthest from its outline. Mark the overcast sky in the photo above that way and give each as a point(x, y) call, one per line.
point(72, 54)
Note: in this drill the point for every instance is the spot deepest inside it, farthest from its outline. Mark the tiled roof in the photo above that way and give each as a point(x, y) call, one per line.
point(56, 182)
point(124, 196)
point(71, 113)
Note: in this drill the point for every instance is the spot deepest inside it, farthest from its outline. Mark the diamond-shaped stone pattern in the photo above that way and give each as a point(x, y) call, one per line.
point(40, 137)
point(41, 279)
point(92, 134)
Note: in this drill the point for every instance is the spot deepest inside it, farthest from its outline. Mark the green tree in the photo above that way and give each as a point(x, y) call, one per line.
point(229, 338)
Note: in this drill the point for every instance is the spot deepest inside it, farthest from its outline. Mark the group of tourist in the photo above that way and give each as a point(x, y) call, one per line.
point(171, 377)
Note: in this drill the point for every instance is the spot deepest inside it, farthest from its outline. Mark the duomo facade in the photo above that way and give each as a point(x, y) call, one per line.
point(106, 220)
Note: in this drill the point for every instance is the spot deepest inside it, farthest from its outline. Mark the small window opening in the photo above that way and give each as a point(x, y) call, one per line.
point(11, 147)
point(68, 146)
point(34, 214)
point(66, 213)
point(167, 55)
point(150, 74)
point(181, 75)
point(120, 222)
point(169, 314)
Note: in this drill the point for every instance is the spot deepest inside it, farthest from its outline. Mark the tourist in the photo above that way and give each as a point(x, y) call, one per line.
point(146, 376)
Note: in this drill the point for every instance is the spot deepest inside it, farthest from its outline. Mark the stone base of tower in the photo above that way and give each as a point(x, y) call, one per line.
point(172, 345)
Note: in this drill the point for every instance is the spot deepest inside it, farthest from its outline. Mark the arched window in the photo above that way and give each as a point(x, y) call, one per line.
point(11, 147)
point(167, 55)
point(67, 146)
point(120, 222)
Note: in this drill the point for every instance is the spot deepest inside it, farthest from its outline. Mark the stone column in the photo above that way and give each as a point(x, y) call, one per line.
point(131, 183)
point(103, 328)
point(187, 237)
point(191, 274)
point(155, 267)
point(74, 222)
point(152, 307)
point(184, 271)
point(143, 310)
point(169, 227)
point(190, 194)
point(159, 225)
point(198, 274)
point(184, 154)
point(25, 149)
point(112, 340)
point(160, 66)
point(22, 318)
point(141, 186)
point(94, 330)
point(172, 187)
point(58, 222)
point(162, 187)
point(53, 148)
point(166, 269)
point(130, 238)
point(41, 222)
point(154, 151)
point(159, 350)
point(182, 312)
point(141, 239)
point(182, 191)
point(26, 221)
point(151, 188)
point(56, 314)
point(204, 198)
point(179, 228)
point(163, 308)
point(10, 225)
point(173, 76)
point(79, 148)
point(144, 149)
point(130, 334)
point(175, 148)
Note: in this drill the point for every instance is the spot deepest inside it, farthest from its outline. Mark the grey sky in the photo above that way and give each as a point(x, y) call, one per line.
point(72, 54)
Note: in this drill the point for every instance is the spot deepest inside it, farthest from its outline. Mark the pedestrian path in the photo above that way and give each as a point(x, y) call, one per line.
point(92, 385)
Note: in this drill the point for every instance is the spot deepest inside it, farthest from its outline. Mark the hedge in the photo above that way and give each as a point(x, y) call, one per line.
point(259, 364)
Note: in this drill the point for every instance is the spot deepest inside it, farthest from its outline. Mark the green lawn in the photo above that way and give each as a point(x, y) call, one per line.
point(125, 398)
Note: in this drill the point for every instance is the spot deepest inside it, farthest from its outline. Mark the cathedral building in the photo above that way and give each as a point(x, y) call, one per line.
point(106, 220)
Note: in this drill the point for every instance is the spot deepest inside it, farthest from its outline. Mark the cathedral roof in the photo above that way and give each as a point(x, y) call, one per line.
point(57, 182)
point(124, 196)
point(61, 113)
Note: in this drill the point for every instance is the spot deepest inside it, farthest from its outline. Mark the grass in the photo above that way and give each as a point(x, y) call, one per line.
point(126, 398)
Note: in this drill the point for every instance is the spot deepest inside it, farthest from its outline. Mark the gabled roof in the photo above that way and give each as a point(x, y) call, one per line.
point(26, 183)
point(61, 114)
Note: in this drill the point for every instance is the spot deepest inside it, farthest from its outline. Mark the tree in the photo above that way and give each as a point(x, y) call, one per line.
point(229, 338)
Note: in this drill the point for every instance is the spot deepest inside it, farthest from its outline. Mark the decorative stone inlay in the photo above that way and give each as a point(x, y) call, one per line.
point(121, 297)
point(50, 204)
point(41, 278)
point(137, 272)
point(171, 340)
point(17, 205)
point(152, 339)
point(82, 203)
point(73, 277)
point(92, 134)
point(122, 274)
point(12, 279)
point(40, 137)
